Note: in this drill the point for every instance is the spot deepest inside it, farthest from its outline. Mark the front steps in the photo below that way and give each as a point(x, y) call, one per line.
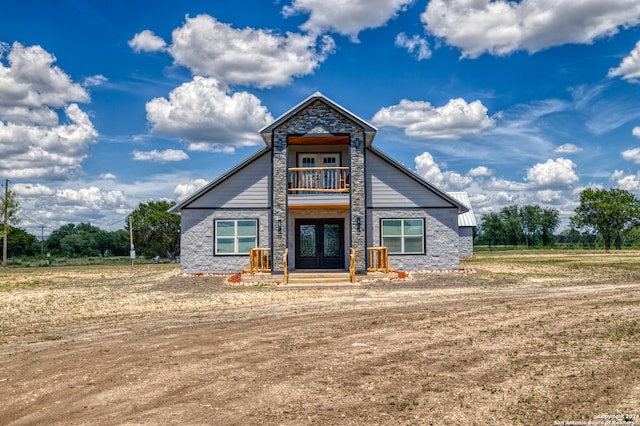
point(312, 278)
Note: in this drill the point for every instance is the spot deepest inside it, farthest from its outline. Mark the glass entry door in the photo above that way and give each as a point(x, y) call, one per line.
point(319, 243)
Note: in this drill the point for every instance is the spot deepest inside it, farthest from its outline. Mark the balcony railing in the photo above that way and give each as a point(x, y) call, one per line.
point(303, 180)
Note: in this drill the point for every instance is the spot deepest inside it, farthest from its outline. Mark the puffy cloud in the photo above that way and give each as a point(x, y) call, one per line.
point(632, 155)
point(500, 27)
point(416, 45)
point(32, 81)
point(421, 120)
point(500, 184)
point(96, 80)
point(428, 169)
point(624, 181)
point(629, 68)
point(147, 41)
point(39, 152)
point(92, 197)
point(553, 174)
point(107, 176)
point(201, 112)
point(567, 148)
point(246, 56)
point(160, 156)
point(548, 196)
point(32, 189)
point(480, 171)
point(636, 132)
point(345, 17)
point(183, 190)
point(33, 93)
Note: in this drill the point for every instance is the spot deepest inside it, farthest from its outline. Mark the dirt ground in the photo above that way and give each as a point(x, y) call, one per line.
point(540, 339)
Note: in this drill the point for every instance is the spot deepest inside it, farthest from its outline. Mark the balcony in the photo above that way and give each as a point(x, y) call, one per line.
point(309, 180)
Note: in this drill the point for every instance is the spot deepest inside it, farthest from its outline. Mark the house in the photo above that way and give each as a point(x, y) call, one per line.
point(466, 224)
point(318, 189)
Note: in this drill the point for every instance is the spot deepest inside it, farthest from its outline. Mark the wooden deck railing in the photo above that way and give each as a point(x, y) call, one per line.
point(285, 262)
point(378, 259)
point(318, 179)
point(352, 264)
point(259, 260)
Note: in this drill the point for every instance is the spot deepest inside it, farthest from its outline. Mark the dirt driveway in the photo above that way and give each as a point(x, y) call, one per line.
point(506, 345)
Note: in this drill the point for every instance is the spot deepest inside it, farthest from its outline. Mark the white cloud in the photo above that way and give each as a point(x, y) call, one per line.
point(632, 155)
point(33, 93)
point(39, 152)
point(629, 68)
point(500, 184)
point(500, 27)
point(210, 147)
point(416, 45)
point(421, 120)
point(636, 132)
point(553, 174)
point(107, 176)
point(201, 112)
point(183, 190)
point(624, 181)
point(345, 17)
point(549, 196)
point(160, 156)
point(92, 197)
point(567, 148)
point(246, 56)
point(31, 189)
point(428, 169)
point(147, 41)
point(480, 171)
point(96, 80)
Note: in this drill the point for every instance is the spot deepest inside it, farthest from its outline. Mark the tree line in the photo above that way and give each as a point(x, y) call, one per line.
point(603, 217)
point(155, 233)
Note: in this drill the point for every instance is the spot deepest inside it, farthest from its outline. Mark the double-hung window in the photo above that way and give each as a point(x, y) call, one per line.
point(235, 236)
point(403, 236)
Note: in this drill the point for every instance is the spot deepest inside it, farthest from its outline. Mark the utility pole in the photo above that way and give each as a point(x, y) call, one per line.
point(4, 228)
point(42, 240)
point(132, 253)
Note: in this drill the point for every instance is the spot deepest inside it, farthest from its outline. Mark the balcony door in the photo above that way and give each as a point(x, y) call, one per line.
point(320, 179)
point(319, 243)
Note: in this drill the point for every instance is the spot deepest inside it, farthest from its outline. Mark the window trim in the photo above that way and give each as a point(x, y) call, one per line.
point(235, 236)
point(402, 236)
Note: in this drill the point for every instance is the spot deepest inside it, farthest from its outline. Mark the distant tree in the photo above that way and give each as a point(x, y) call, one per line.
point(492, 229)
point(530, 220)
point(155, 231)
point(83, 239)
point(512, 224)
point(20, 242)
point(608, 212)
point(549, 221)
point(9, 208)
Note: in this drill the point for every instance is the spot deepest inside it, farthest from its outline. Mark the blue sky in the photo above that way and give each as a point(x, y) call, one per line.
point(104, 105)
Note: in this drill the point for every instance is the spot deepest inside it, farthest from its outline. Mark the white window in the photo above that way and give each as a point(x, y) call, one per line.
point(403, 236)
point(235, 236)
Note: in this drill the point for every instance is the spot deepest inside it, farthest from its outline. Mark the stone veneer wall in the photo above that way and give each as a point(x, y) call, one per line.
point(318, 118)
point(466, 241)
point(441, 238)
point(196, 240)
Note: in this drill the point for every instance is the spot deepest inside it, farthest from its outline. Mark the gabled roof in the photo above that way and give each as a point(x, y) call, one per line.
point(462, 208)
point(369, 130)
point(468, 218)
point(182, 204)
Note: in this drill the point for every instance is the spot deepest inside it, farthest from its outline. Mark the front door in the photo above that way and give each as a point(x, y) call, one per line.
point(319, 243)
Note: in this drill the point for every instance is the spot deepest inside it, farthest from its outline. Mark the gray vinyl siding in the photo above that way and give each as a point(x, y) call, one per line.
point(196, 240)
point(441, 238)
point(247, 188)
point(387, 186)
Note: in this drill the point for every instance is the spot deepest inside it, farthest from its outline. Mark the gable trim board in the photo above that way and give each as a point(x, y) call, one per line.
point(380, 188)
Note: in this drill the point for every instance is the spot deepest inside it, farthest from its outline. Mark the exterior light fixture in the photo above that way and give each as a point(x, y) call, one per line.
point(358, 223)
point(357, 143)
point(280, 226)
point(279, 144)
